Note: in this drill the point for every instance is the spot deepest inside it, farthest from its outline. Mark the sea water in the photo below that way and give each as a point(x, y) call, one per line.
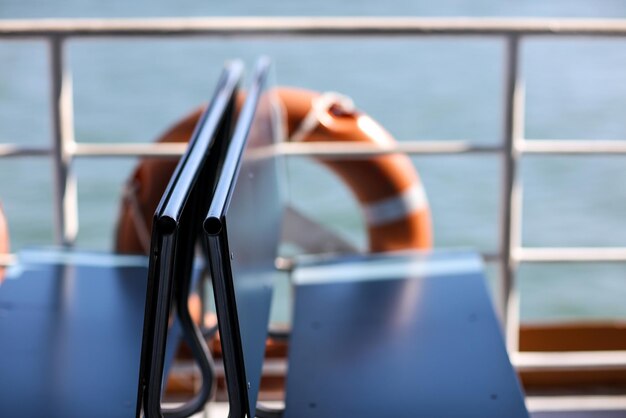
point(442, 88)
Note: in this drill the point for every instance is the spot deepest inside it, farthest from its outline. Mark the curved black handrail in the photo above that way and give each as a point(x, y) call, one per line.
point(215, 228)
point(175, 225)
point(213, 222)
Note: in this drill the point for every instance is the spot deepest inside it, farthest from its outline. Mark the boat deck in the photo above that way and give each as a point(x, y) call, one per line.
point(513, 148)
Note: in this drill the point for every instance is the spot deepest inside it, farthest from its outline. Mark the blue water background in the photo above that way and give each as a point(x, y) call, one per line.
point(424, 88)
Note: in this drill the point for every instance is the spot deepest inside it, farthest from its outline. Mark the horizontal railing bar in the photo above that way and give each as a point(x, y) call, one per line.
point(529, 255)
point(282, 263)
point(289, 263)
point(162, 149)
point(329, 150)
point(580, 254)
point(557, 146)
point(569, 361)
point(14, 150)
point(317, 149)
point(308, 26)
point(341, 150)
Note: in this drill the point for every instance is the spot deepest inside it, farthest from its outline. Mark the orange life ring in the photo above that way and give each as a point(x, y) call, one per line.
point(4, 239)
point(387, 187)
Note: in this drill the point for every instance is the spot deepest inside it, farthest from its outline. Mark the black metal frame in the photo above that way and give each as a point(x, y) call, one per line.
point(219, 253)
point(174, 231)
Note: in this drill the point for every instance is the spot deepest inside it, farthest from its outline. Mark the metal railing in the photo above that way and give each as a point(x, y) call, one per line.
point(511, 148)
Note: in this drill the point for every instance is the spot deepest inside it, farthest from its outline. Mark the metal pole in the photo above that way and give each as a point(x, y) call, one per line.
point(65, 203)
point(511, 193)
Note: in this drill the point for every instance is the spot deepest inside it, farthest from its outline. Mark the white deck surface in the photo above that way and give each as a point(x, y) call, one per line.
point(596, 406)
point(613, 406)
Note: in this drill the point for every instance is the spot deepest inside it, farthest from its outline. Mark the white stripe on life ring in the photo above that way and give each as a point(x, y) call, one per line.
point(397, 207)
point(318, 113)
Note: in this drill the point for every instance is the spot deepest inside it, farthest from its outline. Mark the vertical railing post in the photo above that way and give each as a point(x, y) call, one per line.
point(65, 199)
point(510, 222)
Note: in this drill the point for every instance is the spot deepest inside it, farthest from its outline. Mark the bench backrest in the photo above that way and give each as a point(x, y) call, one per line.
point(177, 220)
point(242, 230)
